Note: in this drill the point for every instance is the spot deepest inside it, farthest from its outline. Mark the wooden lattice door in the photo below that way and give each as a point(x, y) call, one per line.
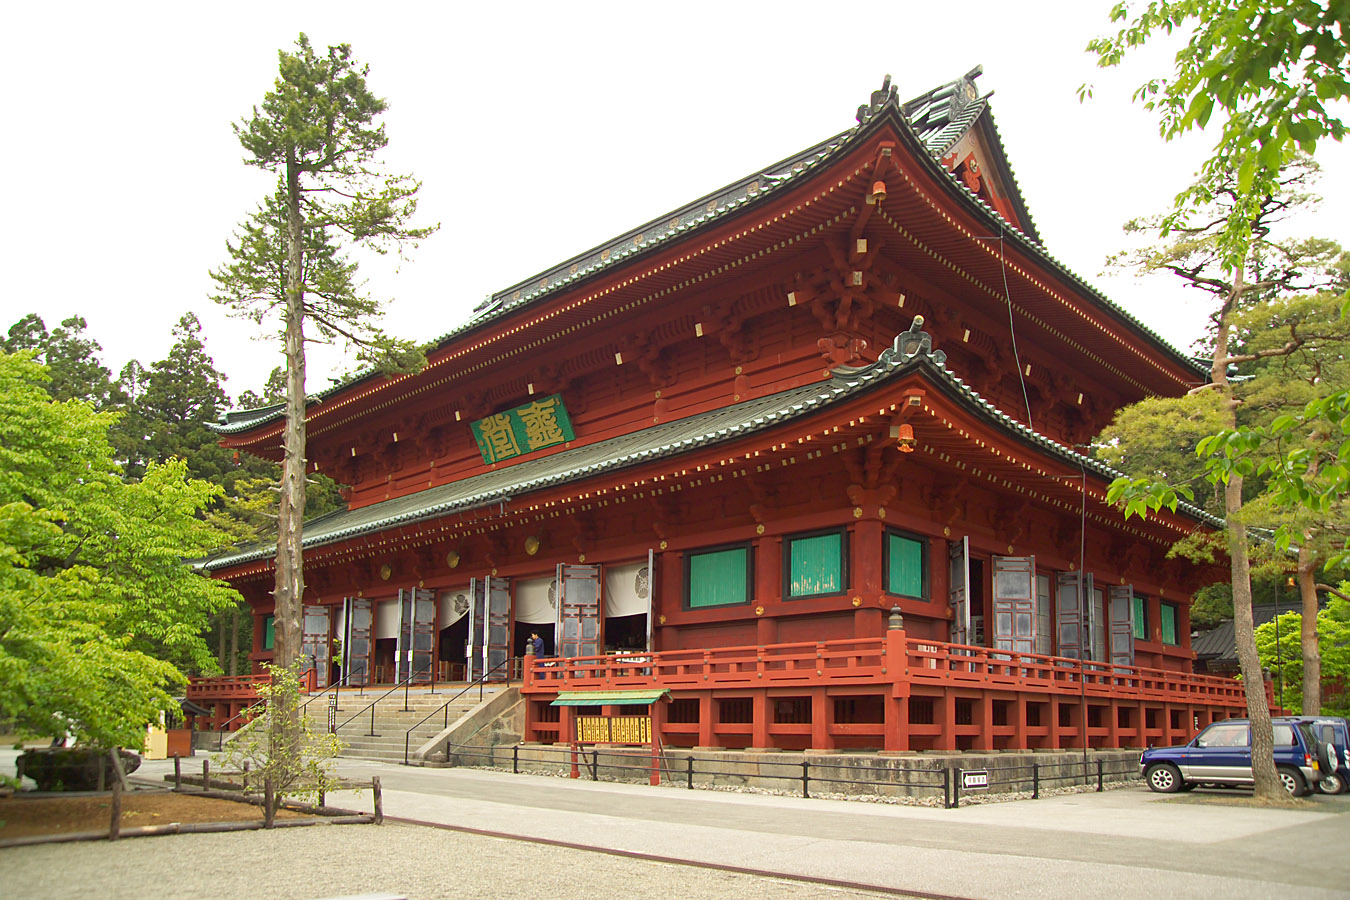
point(314, 633)
point(358, 646)
point(580, 624)
point(1015, 603)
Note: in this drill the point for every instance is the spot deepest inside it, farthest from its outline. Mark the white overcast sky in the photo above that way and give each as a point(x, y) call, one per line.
point(539, 131)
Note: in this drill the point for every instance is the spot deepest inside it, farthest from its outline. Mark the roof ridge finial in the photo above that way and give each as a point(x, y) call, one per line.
point(888, 93)
point(909, 344)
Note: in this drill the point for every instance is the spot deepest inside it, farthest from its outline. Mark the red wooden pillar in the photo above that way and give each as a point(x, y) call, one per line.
point(567, 734)
point(865, 561)
point(895, 702)
point(896, 716)
point(759, 727)
point(985, 739)
point(705, 719)
point(821, 713)
point(766, 631)
point(1019, 738)
point(1168, 738)
point(658, 714)
point(768, 571)
point(1113, 724)
point(947, 705)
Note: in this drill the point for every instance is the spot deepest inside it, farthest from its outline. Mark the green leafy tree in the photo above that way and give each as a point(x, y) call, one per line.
point(302, 767)
point(71, 358)
point(1279, 644)
point(98, 610)
point(316, 131)
point(1275, 72)
point(1192, 247)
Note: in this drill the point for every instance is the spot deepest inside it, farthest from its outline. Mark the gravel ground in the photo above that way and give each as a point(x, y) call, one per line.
point(332, 861)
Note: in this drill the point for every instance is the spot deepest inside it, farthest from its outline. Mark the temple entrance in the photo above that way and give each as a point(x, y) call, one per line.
point(628, 605)
point(385, 651)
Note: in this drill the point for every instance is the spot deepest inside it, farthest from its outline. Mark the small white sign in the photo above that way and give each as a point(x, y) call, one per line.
point(975, 779)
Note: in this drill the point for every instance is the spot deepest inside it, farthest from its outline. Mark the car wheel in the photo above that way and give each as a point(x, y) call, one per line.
point(1293, 782)
point(1164, 778)
point(1326, 756)
point(1332, 784)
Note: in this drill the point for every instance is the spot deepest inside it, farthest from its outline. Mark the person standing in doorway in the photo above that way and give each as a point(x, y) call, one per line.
point(537, 643)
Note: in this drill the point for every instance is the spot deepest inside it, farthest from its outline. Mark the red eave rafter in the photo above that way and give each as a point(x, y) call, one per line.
point(775, 227)
point(980, 248)
point(952, 438)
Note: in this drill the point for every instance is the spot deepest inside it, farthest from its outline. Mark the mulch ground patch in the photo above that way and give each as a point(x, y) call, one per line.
point(24, 816)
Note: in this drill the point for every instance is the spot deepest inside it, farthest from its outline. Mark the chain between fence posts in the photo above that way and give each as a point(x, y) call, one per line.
point(806, 777)
point(1035, 781)
point(689, 771)
point(1099, 776)
point(956, 788)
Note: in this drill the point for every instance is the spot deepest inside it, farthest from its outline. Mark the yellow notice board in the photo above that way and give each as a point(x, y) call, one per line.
point(614, 729)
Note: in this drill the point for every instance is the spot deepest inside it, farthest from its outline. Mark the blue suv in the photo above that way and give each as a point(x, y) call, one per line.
point(1221, 755)
point(1334, 733)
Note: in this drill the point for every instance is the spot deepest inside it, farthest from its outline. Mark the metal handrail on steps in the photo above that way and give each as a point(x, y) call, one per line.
point(445, 707)
point(331, 687)
point(402, 684)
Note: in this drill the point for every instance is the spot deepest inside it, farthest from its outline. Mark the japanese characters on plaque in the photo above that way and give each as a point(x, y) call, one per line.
point(614, 729)
point(534, 426)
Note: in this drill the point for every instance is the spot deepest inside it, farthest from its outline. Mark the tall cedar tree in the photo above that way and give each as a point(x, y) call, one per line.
point(1275, 72)
point(1192, 248)
point(72, 360)
point(316, 131)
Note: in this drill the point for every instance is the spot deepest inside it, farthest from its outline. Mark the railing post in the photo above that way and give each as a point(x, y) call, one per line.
point(177, 773)
point(372, 719)
point(1035, 781)
point(946, 788)
point(956, 788)
point(689, 771)
point(206, 774)
point(515, 759)
point(595, 764)
point(407, 683)
point(806, 778)
point(1099, 776)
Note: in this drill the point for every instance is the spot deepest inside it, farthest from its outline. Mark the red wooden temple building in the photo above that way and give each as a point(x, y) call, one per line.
point(801, 457)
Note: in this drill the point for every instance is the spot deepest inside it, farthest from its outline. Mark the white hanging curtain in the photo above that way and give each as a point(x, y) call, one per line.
point(454, 604)
point(627, 588)
point(386, 618)
point(536, 601)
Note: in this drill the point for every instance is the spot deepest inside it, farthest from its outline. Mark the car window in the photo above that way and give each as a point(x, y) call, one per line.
point(1284, 736)
point(1223, 736)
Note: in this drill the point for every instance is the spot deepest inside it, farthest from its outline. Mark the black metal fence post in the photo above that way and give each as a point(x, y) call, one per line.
point(1099, 776)
point(806, 778)
point(946, 788)
point(956, 788)
point(515, 759)
point(689, 771)
point(595, 764)
point(1035, 781)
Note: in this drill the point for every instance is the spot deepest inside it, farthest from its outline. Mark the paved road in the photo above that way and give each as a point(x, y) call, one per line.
point(1125, 842)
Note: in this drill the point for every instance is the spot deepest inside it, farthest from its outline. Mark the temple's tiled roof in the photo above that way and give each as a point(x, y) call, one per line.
point(912, 350)
point(937, 118)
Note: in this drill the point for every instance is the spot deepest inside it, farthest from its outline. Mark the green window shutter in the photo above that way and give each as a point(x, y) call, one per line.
point(718, 578)
point(269, 633)
point(1140, 619)
point(1169, 624)
point(816, 565)
point(904, 569)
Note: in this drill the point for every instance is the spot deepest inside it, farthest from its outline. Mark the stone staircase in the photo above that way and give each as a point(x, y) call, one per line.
point(391, 721)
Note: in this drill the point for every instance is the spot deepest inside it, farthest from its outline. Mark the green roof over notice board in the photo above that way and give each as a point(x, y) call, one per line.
point(608, 698)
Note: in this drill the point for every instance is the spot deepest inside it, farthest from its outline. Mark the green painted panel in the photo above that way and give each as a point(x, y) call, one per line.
point(534, 426)
point(1169, 624)
point(269, 633)
point(816, 565)
point(608, 698)
point(718, 578)
point(904, 569)
point(1140, 619)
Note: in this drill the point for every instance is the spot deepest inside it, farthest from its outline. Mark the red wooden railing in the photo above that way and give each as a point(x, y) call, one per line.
point(873, 660)
point(226, 687)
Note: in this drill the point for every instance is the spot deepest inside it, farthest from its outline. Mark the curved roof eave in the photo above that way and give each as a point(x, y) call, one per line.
point(674, 438)
point(741, 195)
